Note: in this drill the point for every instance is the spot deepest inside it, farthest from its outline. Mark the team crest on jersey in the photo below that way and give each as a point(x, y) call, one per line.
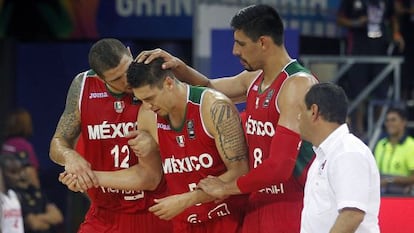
point(180, 140)
point(119, 106)
point(190, 129)
point(255, 88)
point(268, 97)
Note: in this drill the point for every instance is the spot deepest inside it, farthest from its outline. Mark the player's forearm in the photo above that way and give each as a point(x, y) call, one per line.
point(189, 75)
point(198, 196)
point(268, 173)
point(150, 167)
point(230, 179)
point(60, 149)
point(231, 188)
point(152, 161)
point(278, 167)
point(133, 178)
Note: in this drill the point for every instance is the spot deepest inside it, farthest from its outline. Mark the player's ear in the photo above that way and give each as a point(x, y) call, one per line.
point(169, 82)
point(264, 40)
point(315, 111)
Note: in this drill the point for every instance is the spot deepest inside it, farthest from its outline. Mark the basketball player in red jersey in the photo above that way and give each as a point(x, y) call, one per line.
point(199, 134)
point(273, 86)
point(100, 107)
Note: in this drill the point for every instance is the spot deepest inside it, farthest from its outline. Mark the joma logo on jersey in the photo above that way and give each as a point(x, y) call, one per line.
point(255, 127)
point(105, 130)
point(187, 164)
point(98, 95)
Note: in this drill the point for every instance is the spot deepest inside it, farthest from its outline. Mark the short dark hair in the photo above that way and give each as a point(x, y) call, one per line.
point(400, 111)
point(106, 54)
point(140, 74)
point(331, 101)
point(259, 20)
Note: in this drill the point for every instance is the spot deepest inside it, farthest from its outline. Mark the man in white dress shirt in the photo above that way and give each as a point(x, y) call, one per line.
point(342, 191)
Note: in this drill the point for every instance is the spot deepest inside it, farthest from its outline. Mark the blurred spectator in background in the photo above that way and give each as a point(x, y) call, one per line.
point(395, 154)
point(405, 12)
point(18, 129)
point(11, 220)
point(368, 23)
point(39, 215)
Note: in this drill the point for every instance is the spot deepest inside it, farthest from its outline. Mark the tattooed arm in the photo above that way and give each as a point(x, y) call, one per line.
point(63, 142)
point(222, 121)
point(226, 127)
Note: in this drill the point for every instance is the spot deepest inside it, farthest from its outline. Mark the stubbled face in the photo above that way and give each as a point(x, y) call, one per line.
point(154, 99)
point(248, 51)
point(394, 124)
point(116, 78)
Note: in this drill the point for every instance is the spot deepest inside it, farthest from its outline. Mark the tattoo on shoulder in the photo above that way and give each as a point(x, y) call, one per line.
point(69, 123)
point(231, 136)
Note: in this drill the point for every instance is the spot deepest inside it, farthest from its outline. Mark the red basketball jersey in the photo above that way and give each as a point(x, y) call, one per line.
point(106, 119)
point(189, 154)
point(262, 116)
